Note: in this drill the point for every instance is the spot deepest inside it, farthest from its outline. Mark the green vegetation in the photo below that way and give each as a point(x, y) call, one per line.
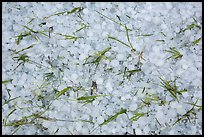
point(137, 116)
point(171, 87)
point(122, 111)
point(126, 32)
point(74, 10)
point(7, 81)
point(97, 57)
point(175, 53)
point(187, 114)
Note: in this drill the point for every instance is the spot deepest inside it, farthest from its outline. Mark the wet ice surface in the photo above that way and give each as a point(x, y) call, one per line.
point(101, 68)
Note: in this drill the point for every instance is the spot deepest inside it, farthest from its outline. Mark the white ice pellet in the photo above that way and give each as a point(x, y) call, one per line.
point(100, 119)
point(133, 107)
point(138, 131)
point(99, 81)
point(74, 76)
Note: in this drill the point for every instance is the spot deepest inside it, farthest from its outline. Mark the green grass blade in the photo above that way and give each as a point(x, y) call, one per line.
point(83, 27)
point(113, 38)
point(74, 10)
point(7, 81)
point(6, 102)
point(133, 71)
point(89, 97)
point(128, 16)
point(118, 17)
point(89, 121)
point(111, 19)
point(197, 41)
point(42, 32)
point(187, 113)
point(31, 20)
point(160, 40)
point(137, 116)
point(114, 117)
point(128, 38)
point(8, 116)
point(30, 29)
point(63, 91)
point(144, 35)
point(20, 37)
point(31, 46)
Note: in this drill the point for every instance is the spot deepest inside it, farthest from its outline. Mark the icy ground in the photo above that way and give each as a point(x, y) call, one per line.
point(102, 68)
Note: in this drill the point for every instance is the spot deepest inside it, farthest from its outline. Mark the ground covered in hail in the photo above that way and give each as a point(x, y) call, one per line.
point(102, 68)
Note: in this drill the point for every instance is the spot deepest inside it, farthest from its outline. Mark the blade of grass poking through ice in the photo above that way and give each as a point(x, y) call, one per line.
point(89, 121)
point(34, 31)
point(137, 116)
point(7, 101)
point(89, 99)
point(76, 9)
point(191, 26)
point(197, 41)
point(30, 29)
point(21, 36)
point(160, 40)
point(25, 58)
point(171, 87)
point(22, 121)
point(111, 19)
point(30, 21)
point(7, 81)
point(175, 53)
point(187, 114)
point(134, 70)
point(118, 17)
point(83, 27)
point(122, 111)
point(74, 38)
point(49, 76)
point(31, 46)
point(62, 91)
point(167, 86)
point(163, 34)
point(114, 38)
point(128, 38)
point(5, 121)
point(128, 16)
point(97, 57)
point(144, 35)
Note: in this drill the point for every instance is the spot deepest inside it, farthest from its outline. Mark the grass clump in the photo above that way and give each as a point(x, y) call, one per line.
point(128, 73)
point(126, 32)
point(175, 53)
point(97, 57)
point(153, 98)
point(171, 87)
point(191, 26)
point(23, 58)
point(187, 114)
